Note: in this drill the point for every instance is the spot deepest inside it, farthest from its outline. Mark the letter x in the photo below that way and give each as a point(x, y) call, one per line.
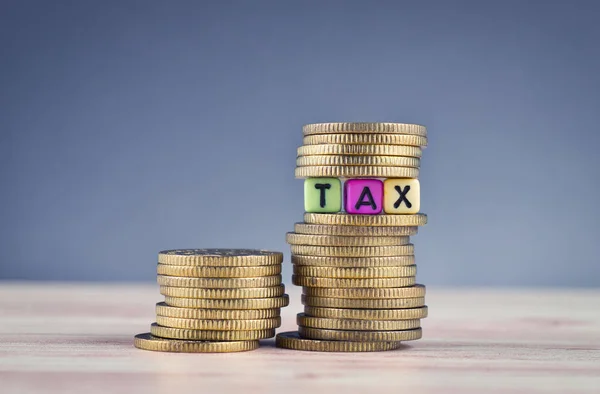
point(402, 193)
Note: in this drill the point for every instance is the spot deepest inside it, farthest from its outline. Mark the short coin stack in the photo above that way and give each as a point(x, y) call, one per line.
point(216, 300)
point(352, 254)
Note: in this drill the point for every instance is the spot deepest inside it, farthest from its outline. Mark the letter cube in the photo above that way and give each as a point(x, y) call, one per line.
point(363, 196)
point(401, 196)
point(322, 195)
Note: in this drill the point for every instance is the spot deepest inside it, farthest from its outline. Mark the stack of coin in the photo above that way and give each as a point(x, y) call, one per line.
point(352, 254)
point(361, 150)
point(216, 300)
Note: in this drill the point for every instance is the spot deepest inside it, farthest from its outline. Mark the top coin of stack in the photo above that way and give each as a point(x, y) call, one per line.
point(216, 300)
point(352, 255)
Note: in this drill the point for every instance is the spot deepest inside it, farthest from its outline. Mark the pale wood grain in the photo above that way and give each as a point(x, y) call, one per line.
point(77, 338)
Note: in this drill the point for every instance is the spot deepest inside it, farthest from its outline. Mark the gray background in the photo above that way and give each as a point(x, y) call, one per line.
point(128, 127)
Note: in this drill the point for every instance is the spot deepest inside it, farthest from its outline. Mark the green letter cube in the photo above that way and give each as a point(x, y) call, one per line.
point(322, 195)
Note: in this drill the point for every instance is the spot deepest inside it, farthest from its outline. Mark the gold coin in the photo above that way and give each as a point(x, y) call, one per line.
point(342, 219)
point(311, 281)
point(365, 139)
point(361, 150)
point(219, 283)
point(291, 340)
point(235, 304)
point(353, 251)
point(147, 341)
point(210, 335)
point(353, 231)
point(249, 292)
point(360, 336)
point(356, 273)
point(356, 172)
point(398, 292)
point(304, 320)
point(220, 257)
point(365, 127)
point(218, 272)
point(358, 303)
point(340, 160)
point(162, 309)
point(203, 324)
point(357, 262)
point(367, 314)
point(336, 240)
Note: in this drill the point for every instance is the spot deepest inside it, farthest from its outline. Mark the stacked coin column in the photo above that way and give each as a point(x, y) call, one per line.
point(216, 300)
point(352, 254)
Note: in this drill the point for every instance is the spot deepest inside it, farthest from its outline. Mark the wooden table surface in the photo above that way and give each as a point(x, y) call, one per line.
point(77, 338)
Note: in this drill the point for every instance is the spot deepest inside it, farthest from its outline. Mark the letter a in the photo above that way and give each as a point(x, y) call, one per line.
point(366, 192)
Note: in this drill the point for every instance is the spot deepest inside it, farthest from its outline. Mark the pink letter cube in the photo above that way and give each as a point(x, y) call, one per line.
point(363, 196)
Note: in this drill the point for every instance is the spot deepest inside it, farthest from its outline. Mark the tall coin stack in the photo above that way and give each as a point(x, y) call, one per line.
point(352, 254)
point(216, 300)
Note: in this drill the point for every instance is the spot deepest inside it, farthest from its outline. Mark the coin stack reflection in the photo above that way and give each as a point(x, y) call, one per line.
point(352, 254)
point(216, 300)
